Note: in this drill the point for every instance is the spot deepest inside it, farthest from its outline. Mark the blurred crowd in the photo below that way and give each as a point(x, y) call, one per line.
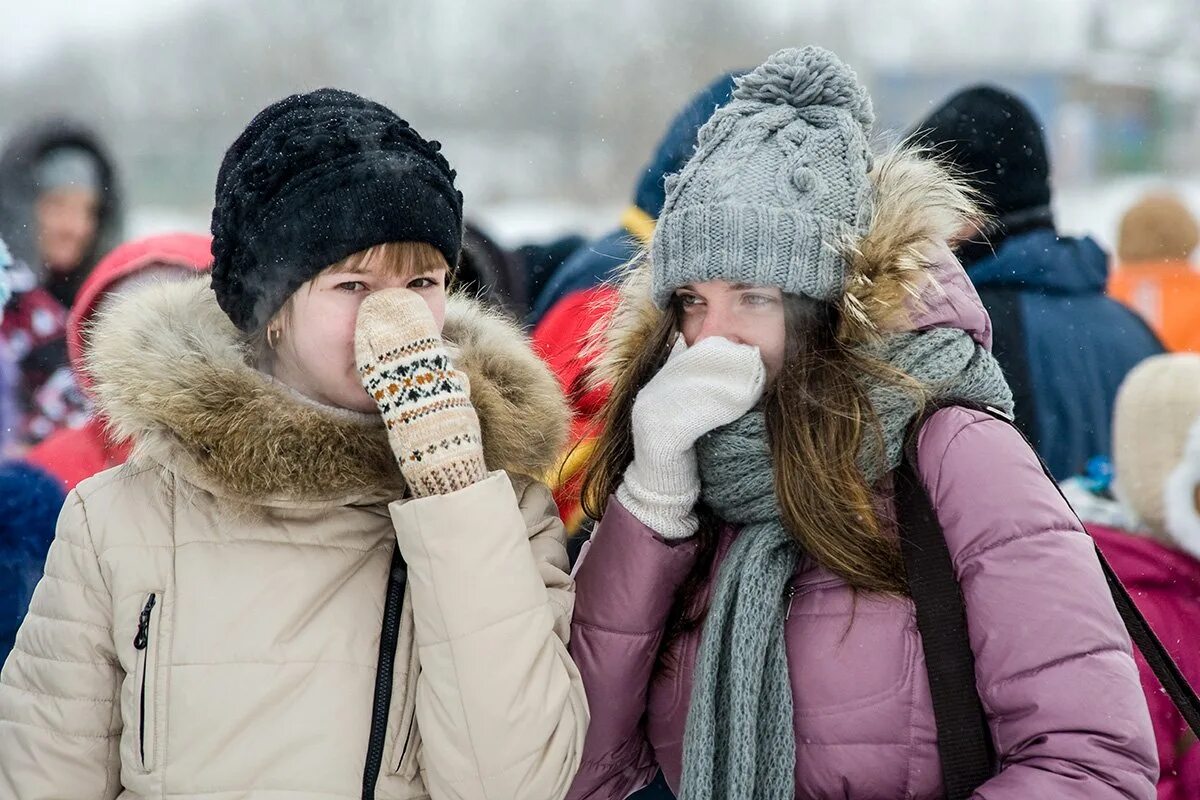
point(1101, 349)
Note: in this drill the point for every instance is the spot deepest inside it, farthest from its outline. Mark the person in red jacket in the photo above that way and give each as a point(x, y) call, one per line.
point(562, 339)
point(1150, 533)
point(73, 454)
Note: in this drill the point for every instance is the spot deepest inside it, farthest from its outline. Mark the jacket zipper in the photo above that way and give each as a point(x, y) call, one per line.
point(797, 586)
point(141, 643)
point(397, 579)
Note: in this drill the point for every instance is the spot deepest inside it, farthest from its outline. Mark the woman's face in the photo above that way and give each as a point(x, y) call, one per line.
point(315, 350)
point(743, 314)
point(67, 221)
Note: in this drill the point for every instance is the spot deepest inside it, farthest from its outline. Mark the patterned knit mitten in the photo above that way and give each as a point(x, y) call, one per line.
point(425, 402)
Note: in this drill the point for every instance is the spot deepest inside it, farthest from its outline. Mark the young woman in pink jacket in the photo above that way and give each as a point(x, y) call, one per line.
point(743, 620)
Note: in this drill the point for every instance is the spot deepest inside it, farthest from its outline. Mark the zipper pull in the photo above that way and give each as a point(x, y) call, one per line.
point(143, 631)
point(789, 596)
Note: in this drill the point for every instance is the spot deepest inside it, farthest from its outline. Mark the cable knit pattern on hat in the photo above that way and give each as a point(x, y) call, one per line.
point(777, 184)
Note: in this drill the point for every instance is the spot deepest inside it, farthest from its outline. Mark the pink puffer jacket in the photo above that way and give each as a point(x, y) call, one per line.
point(1053, 661)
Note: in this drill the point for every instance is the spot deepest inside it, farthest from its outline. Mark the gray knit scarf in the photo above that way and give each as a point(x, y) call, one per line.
point(740, 739)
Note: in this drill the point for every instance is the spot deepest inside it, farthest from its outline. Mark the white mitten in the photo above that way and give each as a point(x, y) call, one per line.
point(698, 390)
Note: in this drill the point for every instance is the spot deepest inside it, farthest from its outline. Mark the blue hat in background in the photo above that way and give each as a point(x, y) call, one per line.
point(678, 143)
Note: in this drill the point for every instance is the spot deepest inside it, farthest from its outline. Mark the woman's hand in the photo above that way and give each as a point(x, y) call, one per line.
point(425, 402)
point(698, 390)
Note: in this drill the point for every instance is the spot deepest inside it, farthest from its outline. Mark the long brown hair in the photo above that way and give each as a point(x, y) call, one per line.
point(818, 417)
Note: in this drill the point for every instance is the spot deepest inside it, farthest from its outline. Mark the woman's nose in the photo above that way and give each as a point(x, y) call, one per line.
point(719, 322)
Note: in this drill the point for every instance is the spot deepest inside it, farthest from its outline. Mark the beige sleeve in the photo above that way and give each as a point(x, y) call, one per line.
point(60, 721)
point(500, 704)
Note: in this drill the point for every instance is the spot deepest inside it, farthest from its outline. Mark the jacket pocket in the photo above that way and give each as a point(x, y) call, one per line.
point(145, 642)
point(850, 655)
point(408, 743)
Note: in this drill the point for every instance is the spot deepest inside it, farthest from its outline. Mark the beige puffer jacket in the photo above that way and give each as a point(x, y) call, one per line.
point(210, 619)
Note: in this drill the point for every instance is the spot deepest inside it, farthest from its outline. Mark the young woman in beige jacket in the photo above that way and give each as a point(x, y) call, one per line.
point(260, 605)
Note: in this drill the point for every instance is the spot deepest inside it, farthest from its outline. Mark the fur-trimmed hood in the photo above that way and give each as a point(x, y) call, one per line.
point(171, 372)
point(902, 274)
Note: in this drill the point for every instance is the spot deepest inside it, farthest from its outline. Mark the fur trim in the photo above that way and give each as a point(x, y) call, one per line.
point(172, 373)
point(1179, 498)
point(616, 338)
point(919, 207)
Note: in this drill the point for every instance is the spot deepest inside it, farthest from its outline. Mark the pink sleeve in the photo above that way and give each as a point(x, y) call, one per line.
point(624, 588)
point(1052, 658)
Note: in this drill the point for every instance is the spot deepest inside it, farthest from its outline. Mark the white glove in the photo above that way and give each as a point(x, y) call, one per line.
point(698, 390)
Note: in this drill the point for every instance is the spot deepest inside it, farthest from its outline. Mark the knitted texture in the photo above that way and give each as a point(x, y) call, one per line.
point(777, 184)
point(317, 177)
point(993, 138)
point(740, 739)
point(425, 403)
point(30, 501)
point(949, 364)
point(699, 389)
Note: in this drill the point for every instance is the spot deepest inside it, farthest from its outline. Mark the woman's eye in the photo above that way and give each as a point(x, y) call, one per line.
point(689, 300)
point(352, 286)
point(759, 299)
point(422, 283)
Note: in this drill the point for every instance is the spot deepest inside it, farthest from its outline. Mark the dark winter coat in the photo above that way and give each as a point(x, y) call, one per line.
point(29, 504)
point(1064, 345)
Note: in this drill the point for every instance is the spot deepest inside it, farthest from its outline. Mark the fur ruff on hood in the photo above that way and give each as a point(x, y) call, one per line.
point(172, 373)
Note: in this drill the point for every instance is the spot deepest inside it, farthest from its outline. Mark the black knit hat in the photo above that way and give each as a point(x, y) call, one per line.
point(317, 177)
point(995, 140)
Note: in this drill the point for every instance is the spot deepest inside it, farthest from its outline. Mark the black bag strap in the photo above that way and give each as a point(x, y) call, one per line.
point(964, 741)
point(968, 762)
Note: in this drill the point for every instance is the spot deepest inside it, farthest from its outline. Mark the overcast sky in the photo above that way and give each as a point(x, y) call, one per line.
point(31, 27)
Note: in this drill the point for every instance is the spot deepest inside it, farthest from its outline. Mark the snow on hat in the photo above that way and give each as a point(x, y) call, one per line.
point(313, 179)
point(778, 180)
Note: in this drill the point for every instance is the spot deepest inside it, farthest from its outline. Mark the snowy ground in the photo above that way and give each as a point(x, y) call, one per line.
point(1095, 210)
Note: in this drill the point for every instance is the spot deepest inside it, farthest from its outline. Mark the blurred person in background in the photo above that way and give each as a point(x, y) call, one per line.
point(60, 210)
point(492, 274)
point(1064, 344)
point(540, 260)
point(1154, 274)
point(73, 454)
point(29, 504)
point(1149, 530)
point(60, 207)
point(599, 260)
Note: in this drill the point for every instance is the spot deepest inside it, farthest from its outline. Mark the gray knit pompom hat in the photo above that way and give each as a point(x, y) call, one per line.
point(777, 183)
